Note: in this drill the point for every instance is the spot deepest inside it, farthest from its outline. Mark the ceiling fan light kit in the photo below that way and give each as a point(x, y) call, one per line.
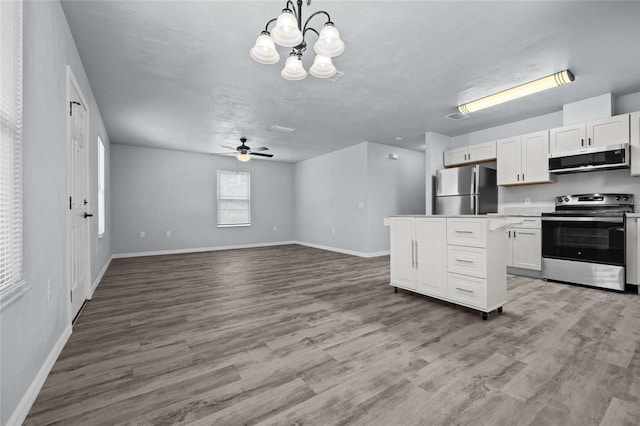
point(554, 80)
point(289, 32)
point(243, 152)
point(243, 157)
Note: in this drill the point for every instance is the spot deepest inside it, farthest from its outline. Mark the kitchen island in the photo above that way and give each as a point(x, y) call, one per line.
point(459, 259)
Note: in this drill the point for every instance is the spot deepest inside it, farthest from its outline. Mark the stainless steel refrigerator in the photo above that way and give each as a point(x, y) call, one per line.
point(466, 190)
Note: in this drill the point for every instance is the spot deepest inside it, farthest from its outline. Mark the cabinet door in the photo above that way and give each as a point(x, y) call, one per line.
point(508, 151)
point(568, 138)
point(509, 247)
point(535, 162)
point(431, 259)
point(527, 249)
point(482, 152)
point(455, 156)
point(608, 131)
point(634, 143)
point(402, 252)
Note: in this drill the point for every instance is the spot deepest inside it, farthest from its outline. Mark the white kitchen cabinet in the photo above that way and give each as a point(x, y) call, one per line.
point(471, 154)
point(634, 143)
point(633, 251)
point(607, 131)
point(522, 160)
point(524, 243)
point(459, 259)
point(419, 254)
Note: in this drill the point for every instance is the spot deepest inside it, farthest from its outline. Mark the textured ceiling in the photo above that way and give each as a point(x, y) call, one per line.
point(177, 74)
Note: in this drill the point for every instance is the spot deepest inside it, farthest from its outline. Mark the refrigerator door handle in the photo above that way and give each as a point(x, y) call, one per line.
point(474, 178)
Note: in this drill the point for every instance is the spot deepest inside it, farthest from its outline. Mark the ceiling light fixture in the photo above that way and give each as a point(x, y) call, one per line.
point(289, 32)
point(243, 156)
point(535, 86)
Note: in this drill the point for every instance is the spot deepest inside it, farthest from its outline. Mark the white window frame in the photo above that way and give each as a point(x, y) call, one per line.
point(102, 211)
point(11, 196)
point(222, 224)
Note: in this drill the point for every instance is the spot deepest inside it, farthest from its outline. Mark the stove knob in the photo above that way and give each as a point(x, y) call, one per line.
point(618, 198)
point(625, 199)
point(566, 200)
point(559, 200)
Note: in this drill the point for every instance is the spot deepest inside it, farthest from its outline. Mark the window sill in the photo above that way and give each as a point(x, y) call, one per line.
point(234, 226)
point(12, 294)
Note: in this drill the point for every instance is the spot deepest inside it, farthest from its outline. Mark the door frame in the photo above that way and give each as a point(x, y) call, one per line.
point(72, 84)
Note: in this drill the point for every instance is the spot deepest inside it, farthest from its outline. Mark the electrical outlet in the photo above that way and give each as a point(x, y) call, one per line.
point(168, 233)
point(275, 228)
point(527, 201)
point(49, 281)
point(141, 234)
point(333, 231)
point(360, 204)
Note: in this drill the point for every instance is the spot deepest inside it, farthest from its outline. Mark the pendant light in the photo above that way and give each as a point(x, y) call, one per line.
point(288, 31)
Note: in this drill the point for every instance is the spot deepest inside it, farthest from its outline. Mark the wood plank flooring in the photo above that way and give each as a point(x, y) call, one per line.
point(296, 335)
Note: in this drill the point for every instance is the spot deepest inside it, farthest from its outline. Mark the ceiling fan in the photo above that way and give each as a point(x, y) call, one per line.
point(244, 152)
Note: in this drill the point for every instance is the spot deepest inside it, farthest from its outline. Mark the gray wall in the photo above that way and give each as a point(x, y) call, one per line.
point(351, 191)
point(158, 190)
point(393, 187)
point(31, 326)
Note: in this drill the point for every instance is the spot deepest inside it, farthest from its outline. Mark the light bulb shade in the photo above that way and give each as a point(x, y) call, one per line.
point(293, 69)
point(265, 50)
point(243, 156)
point(544, 83)
point(322, 67)
point(329, 43)
point(286, 32)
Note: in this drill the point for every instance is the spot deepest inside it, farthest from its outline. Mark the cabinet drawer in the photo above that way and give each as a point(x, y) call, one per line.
point(467, 261)
point(467, 232)
point(467, 290)
point(527, 222)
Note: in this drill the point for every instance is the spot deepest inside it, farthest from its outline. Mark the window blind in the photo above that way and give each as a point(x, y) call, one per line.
point(234, 198)
point(101, 181)
point(10, 144)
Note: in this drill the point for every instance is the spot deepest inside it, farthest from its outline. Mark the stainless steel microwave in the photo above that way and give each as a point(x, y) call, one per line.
point(594, 158)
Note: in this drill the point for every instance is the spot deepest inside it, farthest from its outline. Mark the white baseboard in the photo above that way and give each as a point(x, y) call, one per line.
point(22, 410)
point(344, 251)
point(99, 277)
point(199, 250)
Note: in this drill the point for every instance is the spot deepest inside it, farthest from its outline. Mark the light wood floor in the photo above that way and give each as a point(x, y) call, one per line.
point(295, 335)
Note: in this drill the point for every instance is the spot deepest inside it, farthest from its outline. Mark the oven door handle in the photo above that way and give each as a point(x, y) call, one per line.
point(583, 219)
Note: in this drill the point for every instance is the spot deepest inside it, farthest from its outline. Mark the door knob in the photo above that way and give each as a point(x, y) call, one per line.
point(86, 215)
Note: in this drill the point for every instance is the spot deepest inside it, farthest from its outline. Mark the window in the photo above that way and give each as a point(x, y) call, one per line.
point(101, 176)
point(234, 198)
point(10, 144)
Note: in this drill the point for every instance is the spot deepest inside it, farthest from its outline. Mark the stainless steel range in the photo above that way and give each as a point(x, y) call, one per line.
point(583, 241)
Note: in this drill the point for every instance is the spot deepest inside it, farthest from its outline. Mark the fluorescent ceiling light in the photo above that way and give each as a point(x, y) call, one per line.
point(535, 86)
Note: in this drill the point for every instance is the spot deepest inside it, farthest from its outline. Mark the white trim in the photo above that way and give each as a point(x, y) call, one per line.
point(99, 277)
point(21, 411)
point(344, 251)
point(199, 250)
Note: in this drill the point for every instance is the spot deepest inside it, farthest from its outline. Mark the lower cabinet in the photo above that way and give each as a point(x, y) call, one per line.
point(461, 260)
point(524, 244)
point(633, 251)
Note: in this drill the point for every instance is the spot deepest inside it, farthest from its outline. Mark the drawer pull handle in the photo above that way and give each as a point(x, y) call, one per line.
point(464, 289)
point(464, 232)
point(464, 261)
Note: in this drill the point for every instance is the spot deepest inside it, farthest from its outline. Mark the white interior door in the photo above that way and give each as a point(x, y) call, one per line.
point(78, 196)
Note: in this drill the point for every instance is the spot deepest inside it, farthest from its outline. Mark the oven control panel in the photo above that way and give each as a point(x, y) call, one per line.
point(585, 200)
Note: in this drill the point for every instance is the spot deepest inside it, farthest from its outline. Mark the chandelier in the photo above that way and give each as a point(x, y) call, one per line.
point(289, 32)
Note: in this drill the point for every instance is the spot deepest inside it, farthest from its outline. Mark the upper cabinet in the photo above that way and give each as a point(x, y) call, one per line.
point(522, 160)
point(634, 143)
point(608, 131)
point(471, 154)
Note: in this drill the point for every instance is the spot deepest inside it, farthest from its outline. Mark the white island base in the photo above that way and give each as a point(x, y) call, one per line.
point(459, 259)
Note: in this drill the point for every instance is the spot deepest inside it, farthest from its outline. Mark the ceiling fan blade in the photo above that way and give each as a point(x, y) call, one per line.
point(228, 147)
point(261, 155)
point(260, 148)
point(224, 153)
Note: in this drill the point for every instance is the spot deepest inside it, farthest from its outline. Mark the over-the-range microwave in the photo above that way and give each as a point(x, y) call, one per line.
point(594, 158)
